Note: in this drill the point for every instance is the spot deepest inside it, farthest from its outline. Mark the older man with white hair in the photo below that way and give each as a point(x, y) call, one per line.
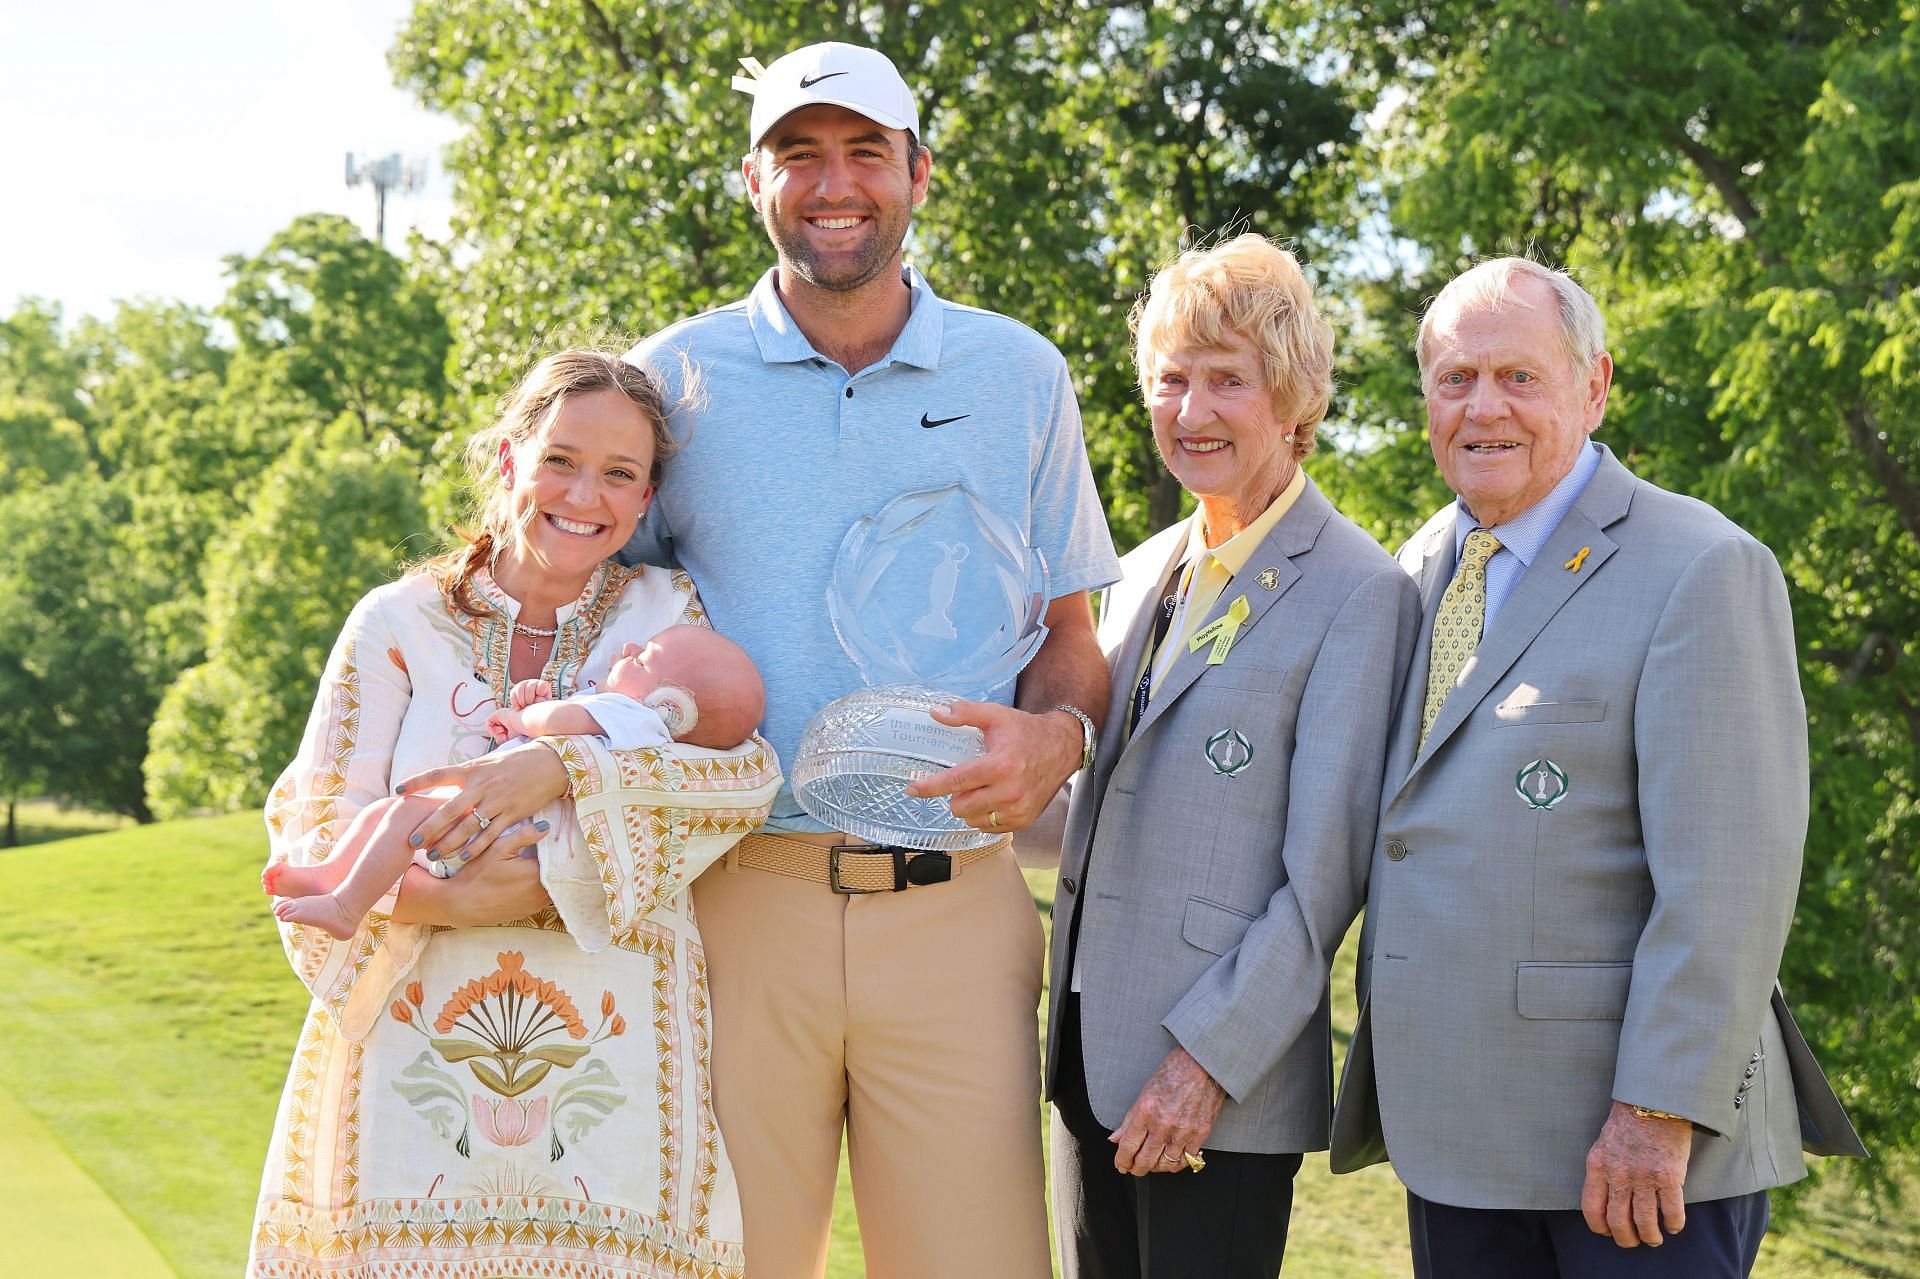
point(1571, 1041)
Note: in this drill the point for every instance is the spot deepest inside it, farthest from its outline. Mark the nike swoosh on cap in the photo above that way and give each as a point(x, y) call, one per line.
point(807, 82)
point(940, 421)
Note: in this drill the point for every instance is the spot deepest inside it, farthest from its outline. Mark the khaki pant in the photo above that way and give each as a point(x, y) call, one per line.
point(909, 1018)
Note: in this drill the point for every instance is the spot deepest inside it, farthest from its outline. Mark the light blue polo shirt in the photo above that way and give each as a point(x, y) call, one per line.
point(782, 450)
point(1522, 536)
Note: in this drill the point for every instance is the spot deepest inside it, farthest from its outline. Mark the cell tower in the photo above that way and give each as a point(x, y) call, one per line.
point(388, 173)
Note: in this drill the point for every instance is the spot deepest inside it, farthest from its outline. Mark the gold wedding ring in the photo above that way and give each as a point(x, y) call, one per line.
point(993, 817)
point(1195, 1162)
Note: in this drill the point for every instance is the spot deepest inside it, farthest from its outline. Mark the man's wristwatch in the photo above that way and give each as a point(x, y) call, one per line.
point(1087, 735)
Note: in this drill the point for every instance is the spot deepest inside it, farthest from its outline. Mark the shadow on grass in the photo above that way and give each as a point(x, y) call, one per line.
point(41, 822)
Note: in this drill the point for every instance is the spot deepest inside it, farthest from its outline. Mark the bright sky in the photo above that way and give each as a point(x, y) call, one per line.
point(142, 142)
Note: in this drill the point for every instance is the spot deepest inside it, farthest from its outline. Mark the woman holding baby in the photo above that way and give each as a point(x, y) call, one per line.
point(506, 1070)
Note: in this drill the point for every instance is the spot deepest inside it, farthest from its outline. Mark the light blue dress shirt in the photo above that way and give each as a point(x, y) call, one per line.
point(1522, 536)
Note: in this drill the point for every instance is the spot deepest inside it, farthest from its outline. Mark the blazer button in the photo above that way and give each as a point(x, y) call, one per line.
point(1069, 885)
point(1396, 850)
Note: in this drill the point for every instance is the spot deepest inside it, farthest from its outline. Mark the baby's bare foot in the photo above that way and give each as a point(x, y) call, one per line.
point(320, 910)
point(283, 879)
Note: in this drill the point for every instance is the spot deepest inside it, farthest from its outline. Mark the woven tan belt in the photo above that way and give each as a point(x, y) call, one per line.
point(857, 868)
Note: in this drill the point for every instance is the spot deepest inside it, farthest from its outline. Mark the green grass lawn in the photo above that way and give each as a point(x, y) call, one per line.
point(55, 1218)
point(150, 1017)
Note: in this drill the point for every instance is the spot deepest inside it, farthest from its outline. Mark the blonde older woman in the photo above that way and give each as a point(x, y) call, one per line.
point(528, 1092)
point(1217, 852)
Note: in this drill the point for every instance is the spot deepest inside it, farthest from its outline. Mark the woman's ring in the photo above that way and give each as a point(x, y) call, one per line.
point(993, 817)
point(484, 821)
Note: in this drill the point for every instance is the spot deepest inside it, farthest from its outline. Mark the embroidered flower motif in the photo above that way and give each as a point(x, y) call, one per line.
point(510, 1122)
point(512, 976)
point(496, 1025)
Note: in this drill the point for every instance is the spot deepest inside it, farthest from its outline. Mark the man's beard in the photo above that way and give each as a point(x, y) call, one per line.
point(846, 273)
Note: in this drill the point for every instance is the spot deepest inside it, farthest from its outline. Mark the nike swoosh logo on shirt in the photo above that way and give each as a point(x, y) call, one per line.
point(940, 421)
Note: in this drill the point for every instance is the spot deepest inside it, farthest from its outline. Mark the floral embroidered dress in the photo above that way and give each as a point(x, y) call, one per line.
point(532, 1099)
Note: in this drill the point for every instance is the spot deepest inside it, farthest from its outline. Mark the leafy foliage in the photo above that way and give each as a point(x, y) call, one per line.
point(131, 447)
point(327, 313)
point(75, 696)
point(330, 520)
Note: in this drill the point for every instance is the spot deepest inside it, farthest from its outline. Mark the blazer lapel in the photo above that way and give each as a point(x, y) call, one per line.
point(1540, 593)
point(1126, 659)
point(1436, 570)
point(1293, 535)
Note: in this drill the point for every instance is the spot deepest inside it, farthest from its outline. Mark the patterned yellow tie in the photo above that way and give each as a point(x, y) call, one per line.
point(1457, 624)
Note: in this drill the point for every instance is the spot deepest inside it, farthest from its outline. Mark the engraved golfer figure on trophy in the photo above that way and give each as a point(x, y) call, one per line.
point(940, 589)
point(935, 598)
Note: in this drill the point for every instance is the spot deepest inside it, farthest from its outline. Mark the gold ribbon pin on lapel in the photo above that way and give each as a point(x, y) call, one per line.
point(1573, 565)
point(1221, 631)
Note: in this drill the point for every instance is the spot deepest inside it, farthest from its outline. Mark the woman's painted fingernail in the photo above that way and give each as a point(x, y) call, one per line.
point(415, 840)
point(401, 789)
point(541, 826)
point(433, 854)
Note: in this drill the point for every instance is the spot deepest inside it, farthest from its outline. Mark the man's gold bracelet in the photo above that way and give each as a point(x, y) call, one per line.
point(1646, 1113)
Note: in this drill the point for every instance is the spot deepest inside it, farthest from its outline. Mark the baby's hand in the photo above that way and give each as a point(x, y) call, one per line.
point(528, 691)
point(504, 724)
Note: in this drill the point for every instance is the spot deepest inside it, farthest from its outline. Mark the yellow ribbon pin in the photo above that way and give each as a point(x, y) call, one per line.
point(750, 82)
point(1220, 632)
point(1573, 565)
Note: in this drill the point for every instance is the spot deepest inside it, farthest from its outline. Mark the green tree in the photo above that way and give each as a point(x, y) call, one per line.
point(78, 696)
point(145, 372)
point(185, 424)
point(1736, 183)
point(325, 312)
point(38, 363)
point(328, 521)
point(38, 444)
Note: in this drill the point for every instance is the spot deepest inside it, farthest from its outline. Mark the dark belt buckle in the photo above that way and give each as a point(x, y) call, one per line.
point(863, 850)
point(910, 867)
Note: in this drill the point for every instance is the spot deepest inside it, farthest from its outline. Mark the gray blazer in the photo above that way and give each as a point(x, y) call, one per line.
point(1582, 883)
point(1209, 903)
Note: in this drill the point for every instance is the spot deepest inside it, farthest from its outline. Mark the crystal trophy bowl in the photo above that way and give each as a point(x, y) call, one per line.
point(935, 597)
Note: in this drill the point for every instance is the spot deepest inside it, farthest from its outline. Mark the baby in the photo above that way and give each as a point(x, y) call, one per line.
point(686, 684)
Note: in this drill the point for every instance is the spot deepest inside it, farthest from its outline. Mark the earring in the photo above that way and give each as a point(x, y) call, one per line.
point(1287, 438)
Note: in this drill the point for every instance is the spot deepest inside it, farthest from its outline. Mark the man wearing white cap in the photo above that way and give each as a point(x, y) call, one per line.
point(903, 1015)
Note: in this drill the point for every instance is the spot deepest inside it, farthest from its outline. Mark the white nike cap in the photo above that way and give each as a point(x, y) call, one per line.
point(842, 75)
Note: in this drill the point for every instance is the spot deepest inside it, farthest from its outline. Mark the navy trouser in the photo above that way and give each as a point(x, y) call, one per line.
point(1720, 1241)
